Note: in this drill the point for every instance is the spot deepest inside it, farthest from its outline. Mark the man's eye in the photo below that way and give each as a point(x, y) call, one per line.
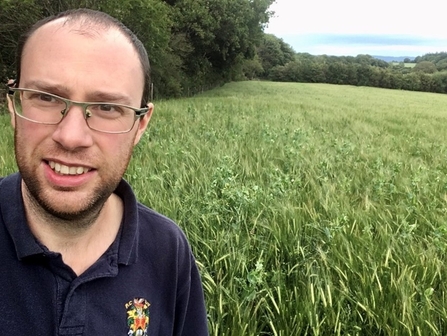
point(41, 97)
point(46, 98)
point(109, 108)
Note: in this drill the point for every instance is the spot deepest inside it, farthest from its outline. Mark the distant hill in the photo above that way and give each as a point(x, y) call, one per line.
point(393, 58)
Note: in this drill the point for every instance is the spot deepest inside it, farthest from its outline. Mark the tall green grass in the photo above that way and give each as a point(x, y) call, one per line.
point(311, 209)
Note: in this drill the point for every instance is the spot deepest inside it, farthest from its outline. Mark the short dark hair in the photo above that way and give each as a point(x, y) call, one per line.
point(91, 18)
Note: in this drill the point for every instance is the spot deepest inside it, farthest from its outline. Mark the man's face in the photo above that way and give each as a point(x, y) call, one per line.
point(68, 168)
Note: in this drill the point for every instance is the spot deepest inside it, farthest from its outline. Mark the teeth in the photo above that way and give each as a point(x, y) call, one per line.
point(66, 170)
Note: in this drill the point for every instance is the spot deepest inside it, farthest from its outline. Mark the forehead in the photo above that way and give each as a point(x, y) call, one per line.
point(71, 53)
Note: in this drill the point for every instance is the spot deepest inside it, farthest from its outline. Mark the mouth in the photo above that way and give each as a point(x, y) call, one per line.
point(67, 170)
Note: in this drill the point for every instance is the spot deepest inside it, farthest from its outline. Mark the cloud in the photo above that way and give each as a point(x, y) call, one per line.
point(383, 17)
point(368, 39)
point(351, 27)
point(354, 44)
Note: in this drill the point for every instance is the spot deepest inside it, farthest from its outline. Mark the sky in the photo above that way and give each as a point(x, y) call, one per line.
point(352, 27)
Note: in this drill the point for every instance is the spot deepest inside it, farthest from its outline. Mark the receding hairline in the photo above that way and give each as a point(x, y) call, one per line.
point(92, 24)
point(82, 26)
point(86, 25)
point(77, 26)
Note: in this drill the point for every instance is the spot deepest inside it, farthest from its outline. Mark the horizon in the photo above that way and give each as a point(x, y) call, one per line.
point(398, 46)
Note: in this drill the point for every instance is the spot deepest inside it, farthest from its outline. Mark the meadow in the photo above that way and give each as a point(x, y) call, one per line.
point(312, 209)
point(406, 65)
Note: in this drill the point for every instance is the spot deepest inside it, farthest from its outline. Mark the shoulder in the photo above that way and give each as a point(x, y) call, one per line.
point(150, 234)
point(10, 186)
point(138, 216)
point(158, 225)
point(163, 245)
point(11, 179)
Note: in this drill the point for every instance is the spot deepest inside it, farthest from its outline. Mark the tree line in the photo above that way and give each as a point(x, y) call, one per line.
point(193, 45)
point(277, 61)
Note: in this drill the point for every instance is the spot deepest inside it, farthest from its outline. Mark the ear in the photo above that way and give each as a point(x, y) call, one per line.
point(143, 122)
point(11, 111)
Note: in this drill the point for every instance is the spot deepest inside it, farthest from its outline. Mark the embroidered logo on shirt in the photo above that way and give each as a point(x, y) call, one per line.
point(137, 316)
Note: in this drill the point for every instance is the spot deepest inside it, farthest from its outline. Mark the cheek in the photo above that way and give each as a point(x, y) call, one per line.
point(32, 132)
point(116, 158)
point(30, 138)
point(116, 147)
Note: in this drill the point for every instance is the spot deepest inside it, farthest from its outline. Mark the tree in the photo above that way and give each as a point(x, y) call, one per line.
point(426, 81)
point(411, 82)
point(15, 17)
point(440, 82)
point(151, 21)
point(274, 51)
point(442, 64)
point(221, 34)
point(425, 67)
point(252, 68)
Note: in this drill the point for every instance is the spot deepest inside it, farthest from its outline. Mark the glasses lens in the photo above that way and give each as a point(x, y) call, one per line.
point(39, 106)
point(45, 108)
point(110, 117)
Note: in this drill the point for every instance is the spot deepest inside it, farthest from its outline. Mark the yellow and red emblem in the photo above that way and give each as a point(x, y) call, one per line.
point(137, 316)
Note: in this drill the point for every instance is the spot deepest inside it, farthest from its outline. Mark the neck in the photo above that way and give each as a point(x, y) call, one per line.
point(81, 241)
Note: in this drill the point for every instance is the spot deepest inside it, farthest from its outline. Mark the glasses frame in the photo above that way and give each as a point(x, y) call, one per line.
point(139, 112)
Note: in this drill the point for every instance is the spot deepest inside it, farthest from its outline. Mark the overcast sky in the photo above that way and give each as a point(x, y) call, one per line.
point(352, 27)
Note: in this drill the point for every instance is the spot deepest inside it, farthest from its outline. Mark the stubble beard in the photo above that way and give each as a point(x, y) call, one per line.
point(40, 200)
point(76, 220)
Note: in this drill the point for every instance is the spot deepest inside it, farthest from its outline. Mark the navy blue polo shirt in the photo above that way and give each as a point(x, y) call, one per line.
point(147, 281)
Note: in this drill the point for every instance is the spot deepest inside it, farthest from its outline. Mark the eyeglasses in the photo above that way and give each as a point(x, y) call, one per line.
point(46, 108)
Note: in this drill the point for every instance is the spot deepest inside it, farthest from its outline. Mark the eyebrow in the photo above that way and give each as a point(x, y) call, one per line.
point(59, 90)
point(101, 96)
point(95, 96)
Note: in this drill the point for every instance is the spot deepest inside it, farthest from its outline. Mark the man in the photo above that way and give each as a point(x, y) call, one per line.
point(79, 255)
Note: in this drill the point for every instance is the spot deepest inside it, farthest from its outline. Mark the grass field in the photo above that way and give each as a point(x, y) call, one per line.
point(312, 209)
point(406, 65)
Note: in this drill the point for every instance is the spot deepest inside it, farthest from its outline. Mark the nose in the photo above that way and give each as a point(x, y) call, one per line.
point(73, 132)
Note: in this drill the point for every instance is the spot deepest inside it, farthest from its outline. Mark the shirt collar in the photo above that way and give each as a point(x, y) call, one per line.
point(12, 212)
point(129, 239)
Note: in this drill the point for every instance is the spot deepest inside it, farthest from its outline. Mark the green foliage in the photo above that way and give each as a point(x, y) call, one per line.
point(426, 67)
point(273, 52)
point(193, 45)
point(7, 162)
point(15, 16)
point(151, 20)
point(218, 35)
point(442, 64)
point(362, 70)
point(252, 68)
point(431, 57)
